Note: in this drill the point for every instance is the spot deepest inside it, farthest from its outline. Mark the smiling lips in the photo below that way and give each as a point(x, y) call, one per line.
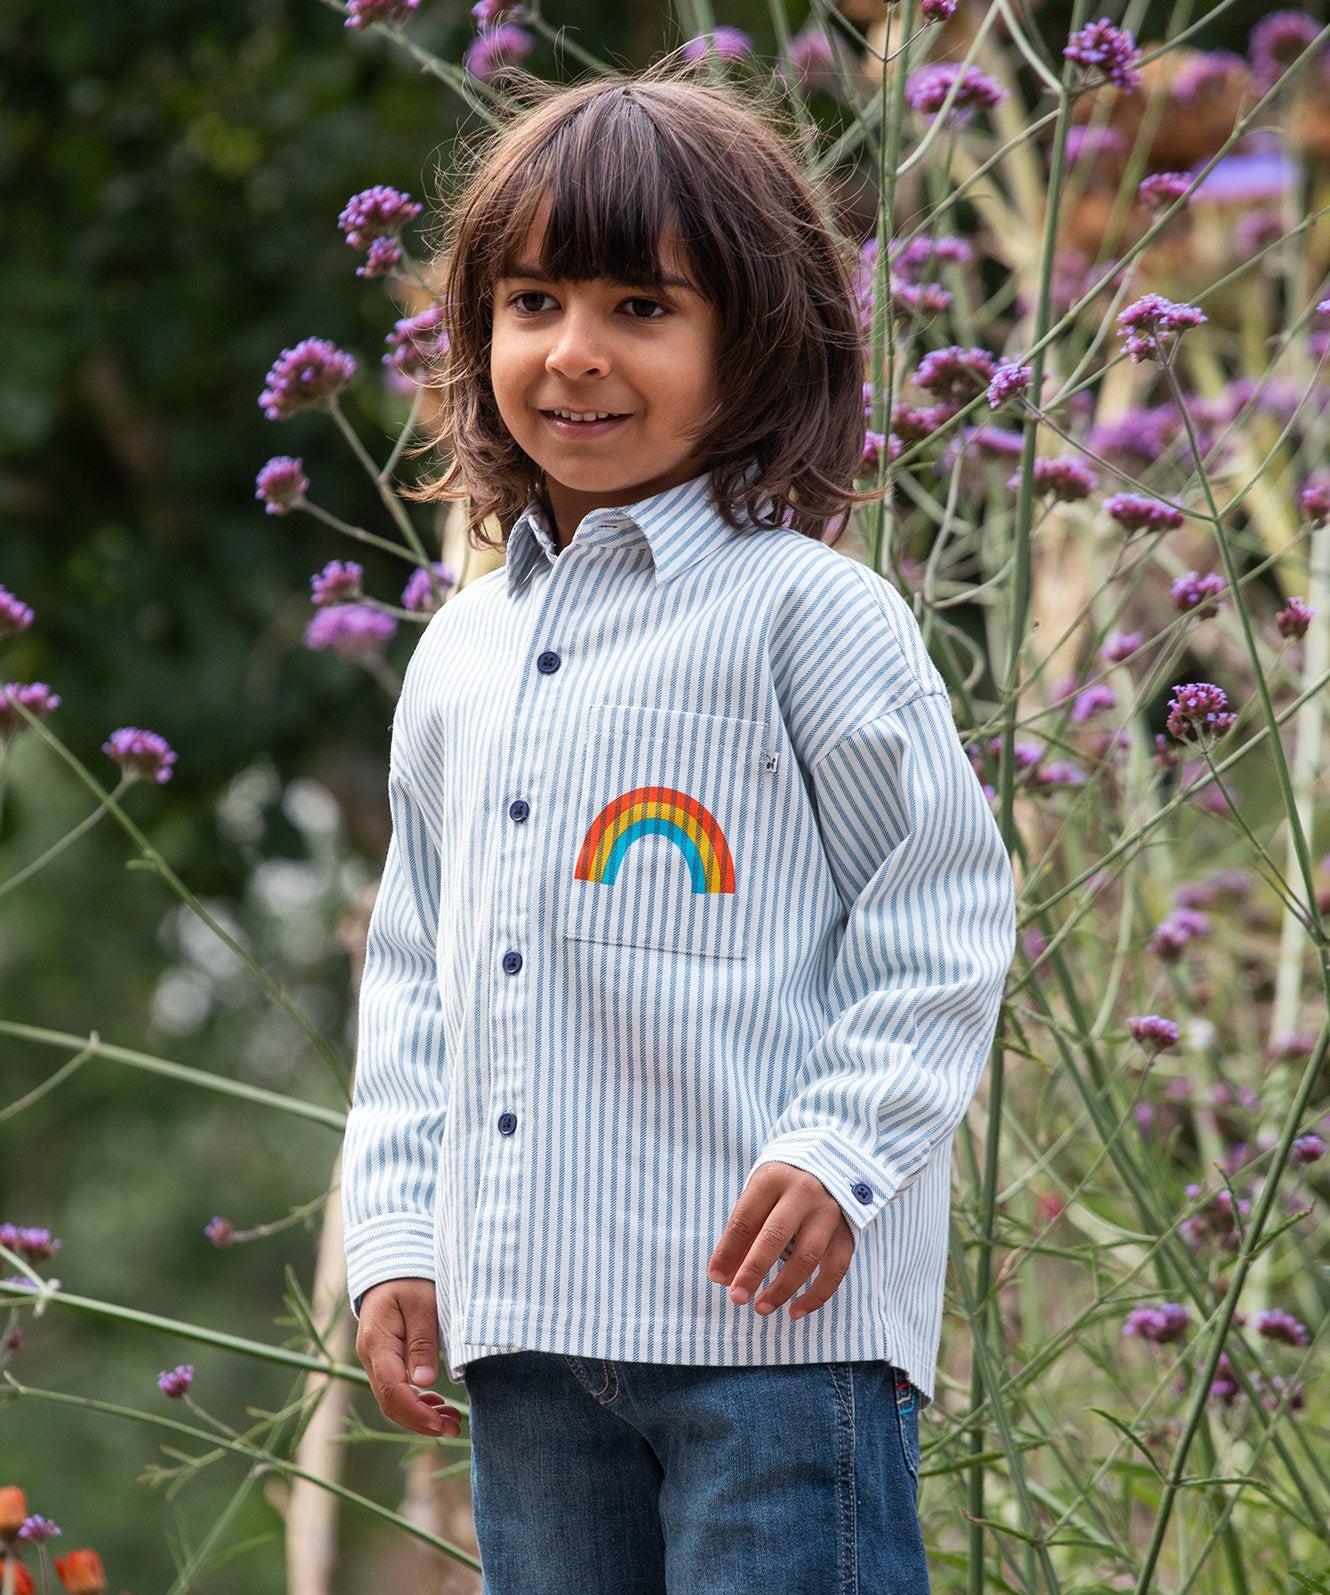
point(582, 423)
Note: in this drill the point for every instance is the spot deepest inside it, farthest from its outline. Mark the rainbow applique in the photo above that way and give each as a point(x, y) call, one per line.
point(657, 811)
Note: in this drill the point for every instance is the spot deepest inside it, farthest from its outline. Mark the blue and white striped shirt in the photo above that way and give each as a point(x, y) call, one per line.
point(689, 872)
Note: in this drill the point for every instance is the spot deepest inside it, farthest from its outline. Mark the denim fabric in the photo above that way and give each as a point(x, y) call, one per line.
point(591, 1477)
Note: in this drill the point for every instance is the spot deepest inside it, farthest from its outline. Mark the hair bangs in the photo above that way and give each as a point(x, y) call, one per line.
point(602, 183)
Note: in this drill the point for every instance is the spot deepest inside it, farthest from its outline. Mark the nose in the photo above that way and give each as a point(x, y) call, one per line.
point(579, 347)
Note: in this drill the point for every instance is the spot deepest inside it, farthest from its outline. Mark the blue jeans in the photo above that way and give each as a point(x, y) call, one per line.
point(633, 1478)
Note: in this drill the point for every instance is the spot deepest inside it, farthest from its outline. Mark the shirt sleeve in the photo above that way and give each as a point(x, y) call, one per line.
point(399, 1102)
point(929, 935)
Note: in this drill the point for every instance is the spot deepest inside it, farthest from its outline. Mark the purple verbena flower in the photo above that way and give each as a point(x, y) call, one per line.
point(1145, 324)
point(142, 755)
point(416, 344)
point(220, 1231)
point(1063, 477)
point(1283, 1327)
point(1292, 622)
point(1197, 593)
point(1162, 1324)
point(938, 10)
point(1314, 497)
point(1308, 1149)
point(419, 595)
point(955, 373)
point(1120, 645)
point(811, 58)
point(1138, 437)
point(383, 255)
point(1276, 43)
point(1009, 382)
point(364, 13)
point(35, 1527)
point(1171, 936)
point(34, 1245)
point(1091, 701)
point(352, 631)
point(493, 47)
point(14, 616)
point(910, 260)
point(1135, 513)
point(1162, 189)
point(920, 299)
point(1224, 1387)
point(1198, 710)
point(282, 484)
point(1111, 49)
point(339, 582)
point(35, 696)
point(914, 423)
point(378, 212)
point(928, 88)
point(486, 11)
point(1057, 772)
point(175, 1382)
point(1086, 142)
point(1153, 1032)
point(313, 373)
point(726, 43)
point(874, 444)
point(1209, 72)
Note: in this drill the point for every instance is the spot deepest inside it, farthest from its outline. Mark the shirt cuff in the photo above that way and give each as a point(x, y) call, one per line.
point(389, 1246)
point(853, 1179)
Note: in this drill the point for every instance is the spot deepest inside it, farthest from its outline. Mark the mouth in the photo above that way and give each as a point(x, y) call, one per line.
point(583, 423)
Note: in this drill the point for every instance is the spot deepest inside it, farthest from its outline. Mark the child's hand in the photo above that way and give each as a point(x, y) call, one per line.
point(778, 1203)
point(398, 1344)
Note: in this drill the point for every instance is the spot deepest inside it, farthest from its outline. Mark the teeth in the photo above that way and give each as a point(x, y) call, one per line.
point(589, 415)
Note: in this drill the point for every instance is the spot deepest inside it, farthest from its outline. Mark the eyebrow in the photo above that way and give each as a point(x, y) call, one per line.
point(533, 273)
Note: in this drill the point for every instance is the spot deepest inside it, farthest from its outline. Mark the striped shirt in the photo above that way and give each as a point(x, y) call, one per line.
point(689, 873)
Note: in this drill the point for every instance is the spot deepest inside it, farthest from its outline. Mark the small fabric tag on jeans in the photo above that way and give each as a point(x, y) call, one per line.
point(906, 1394)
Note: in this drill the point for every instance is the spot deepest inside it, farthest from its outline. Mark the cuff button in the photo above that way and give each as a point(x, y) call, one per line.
point(863, 1193)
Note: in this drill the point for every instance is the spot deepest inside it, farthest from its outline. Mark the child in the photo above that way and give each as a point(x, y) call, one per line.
point(695, 922)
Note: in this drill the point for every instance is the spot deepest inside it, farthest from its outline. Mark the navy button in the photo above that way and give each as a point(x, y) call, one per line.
point(863, 1193)
point(512, 962)
point(507, 1123)
point(548, 662)
point(519, 809)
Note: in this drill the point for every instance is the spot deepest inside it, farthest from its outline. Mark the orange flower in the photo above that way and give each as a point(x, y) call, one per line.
point(13, 1510)
point(22, 1578)
point(81, 1572)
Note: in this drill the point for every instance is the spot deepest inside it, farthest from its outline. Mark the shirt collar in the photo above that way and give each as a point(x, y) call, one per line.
point(681, 525)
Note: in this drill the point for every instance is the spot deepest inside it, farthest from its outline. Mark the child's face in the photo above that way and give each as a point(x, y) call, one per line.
point(640, 362)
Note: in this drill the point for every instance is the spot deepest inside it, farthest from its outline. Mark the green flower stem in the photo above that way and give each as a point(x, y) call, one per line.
point(1297, 834)
point(987, 1323)
point(94, 1047)
point(1129, 841)
point(153, 860)
point(56, 848)
point(257, 1350)
point(1242, 1263)
point(413, 415)
point(391, 502)
point(359, 533)
point(478, 96)
point(262, 1460)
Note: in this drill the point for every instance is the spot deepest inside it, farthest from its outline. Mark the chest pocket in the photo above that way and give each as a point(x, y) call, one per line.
point(661, 851)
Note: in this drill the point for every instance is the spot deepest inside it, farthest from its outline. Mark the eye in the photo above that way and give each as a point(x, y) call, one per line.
point(530, 302)
point(641, 309)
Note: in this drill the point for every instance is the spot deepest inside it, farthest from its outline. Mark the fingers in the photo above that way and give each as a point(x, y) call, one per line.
point(835, 1265)
point(784, 1212)
point(397, 1342)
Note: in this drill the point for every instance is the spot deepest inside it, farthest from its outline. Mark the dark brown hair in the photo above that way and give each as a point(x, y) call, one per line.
point(623, 162)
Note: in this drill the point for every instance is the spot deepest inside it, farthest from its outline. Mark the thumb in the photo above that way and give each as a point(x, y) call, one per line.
point(421, 1326)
